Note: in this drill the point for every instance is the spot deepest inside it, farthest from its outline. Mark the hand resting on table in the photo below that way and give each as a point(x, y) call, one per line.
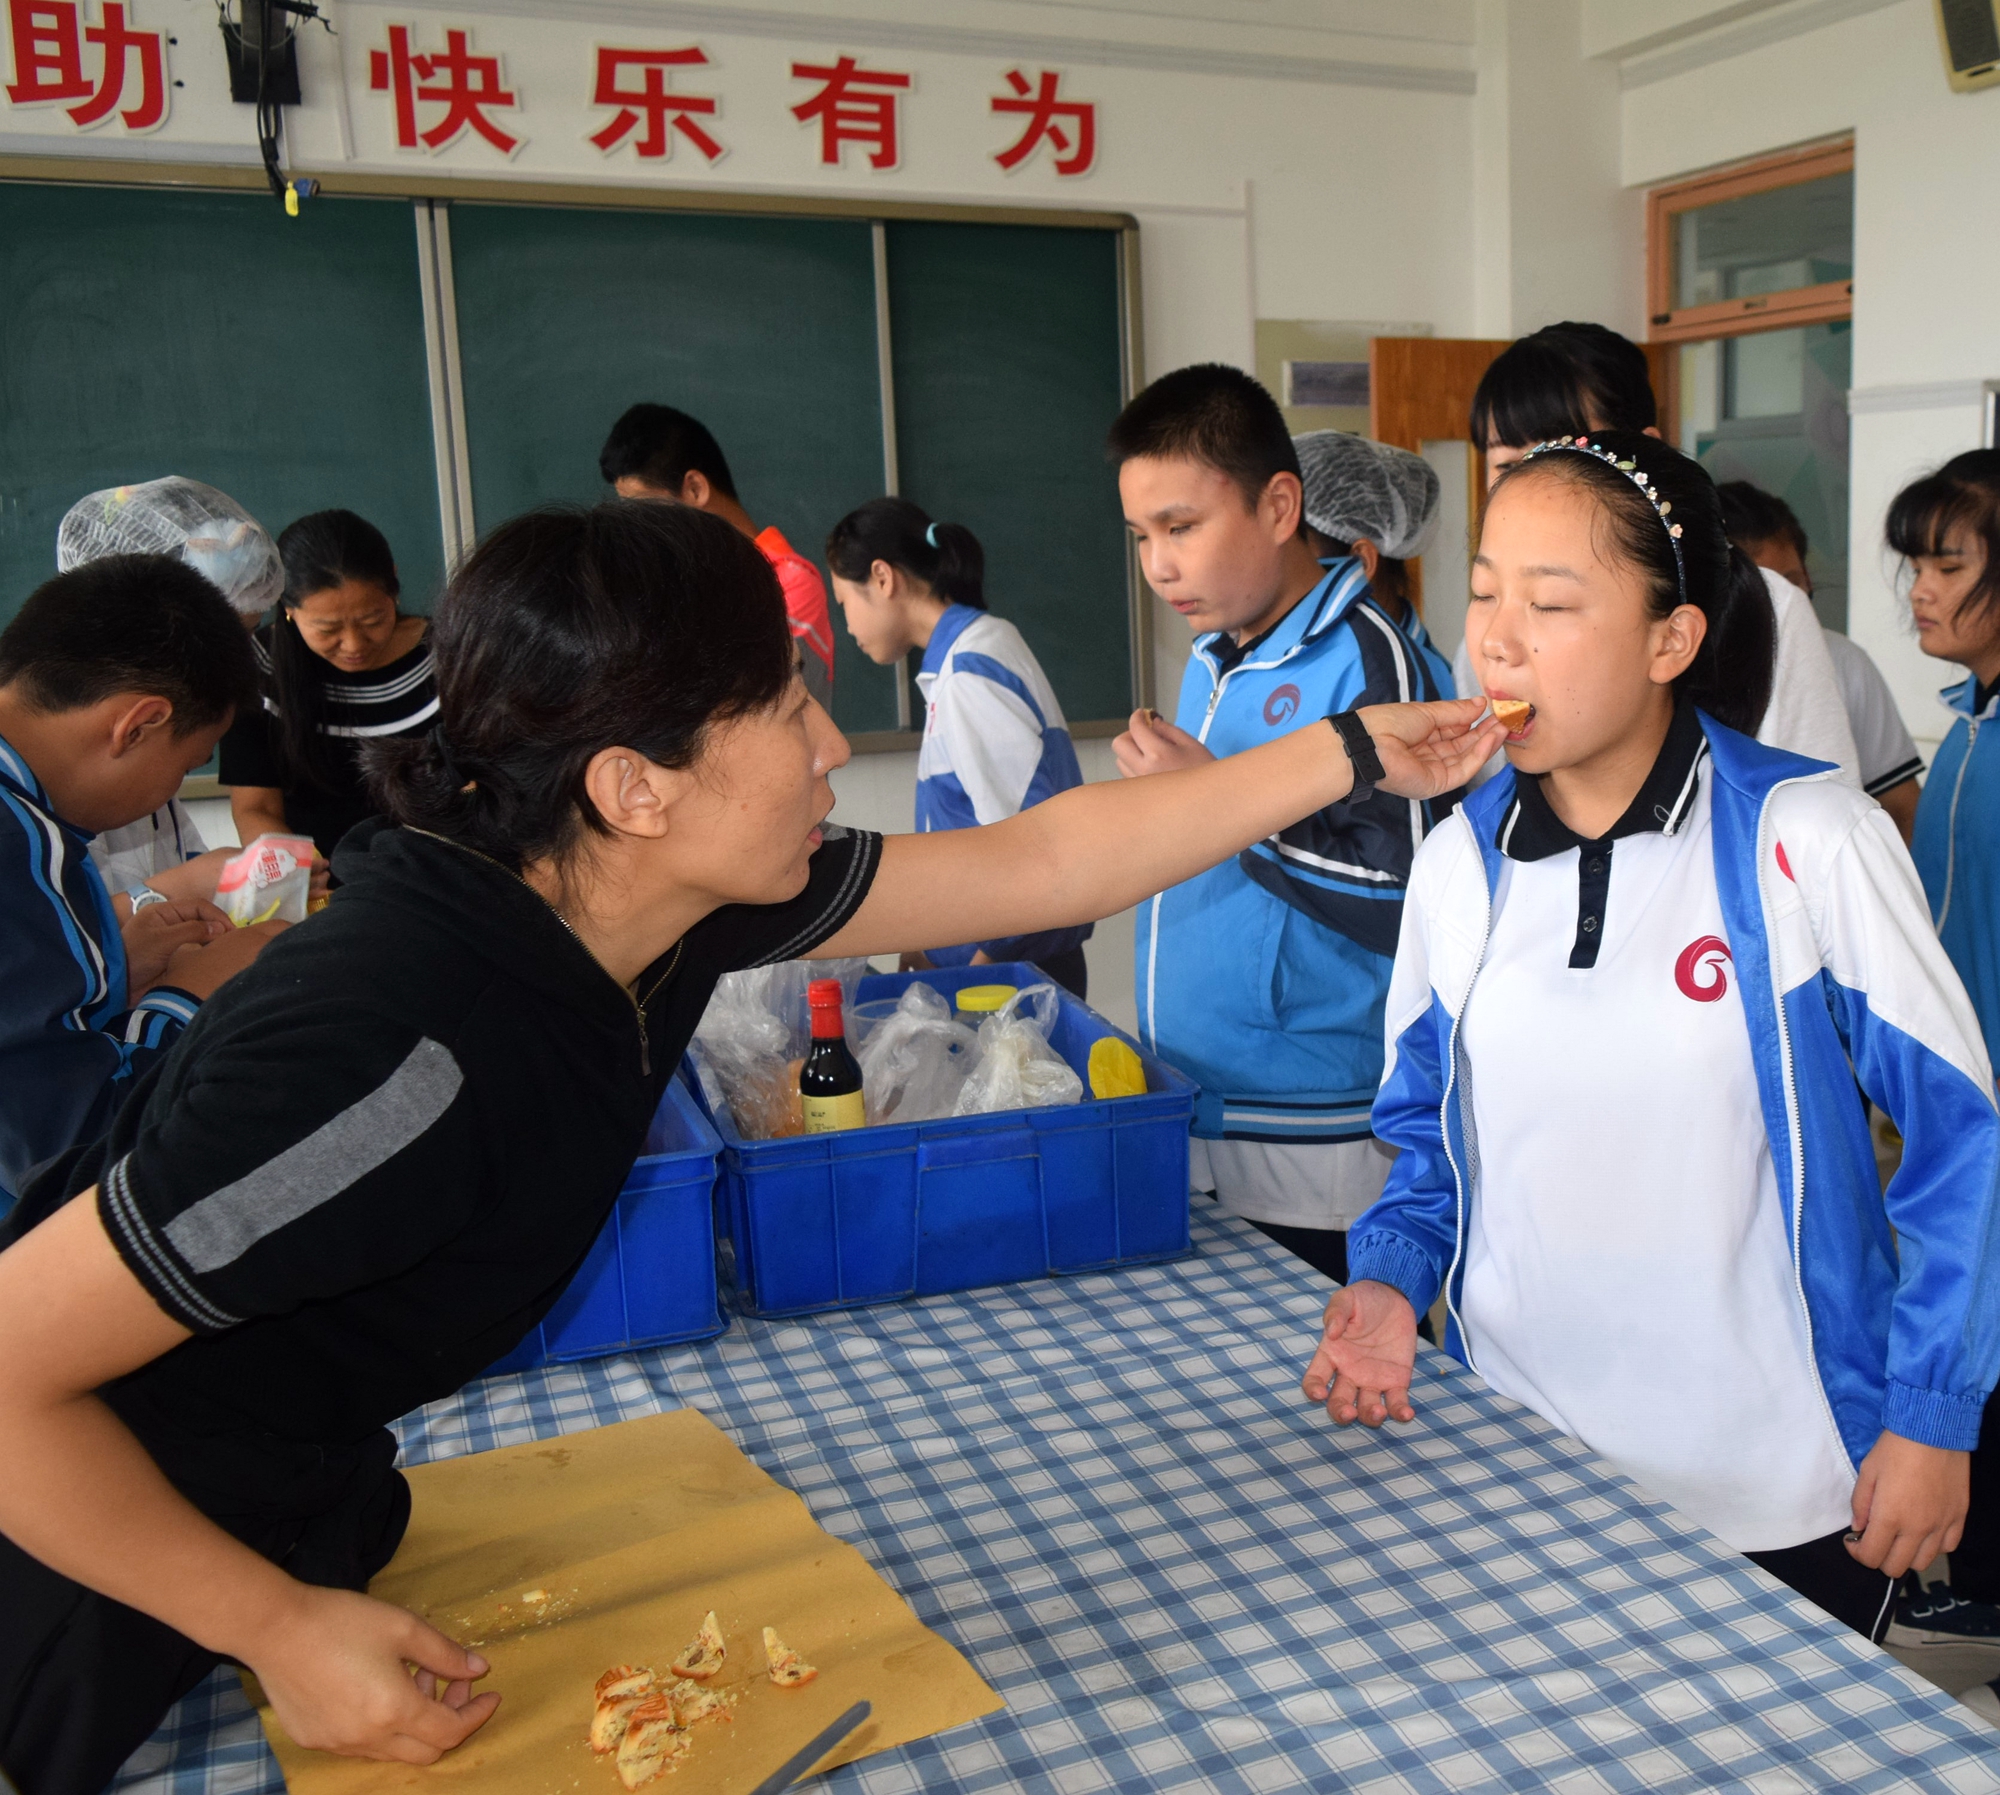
point(1367, 1352)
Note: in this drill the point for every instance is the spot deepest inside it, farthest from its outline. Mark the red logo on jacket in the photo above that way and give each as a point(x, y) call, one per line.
point(1282, 705)
point(1705, 953)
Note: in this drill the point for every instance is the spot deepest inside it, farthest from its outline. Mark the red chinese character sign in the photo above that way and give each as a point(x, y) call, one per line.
point(1069, 126)
point(635, 81)
point(53, 45)
point(853, 105)
point(466, 86)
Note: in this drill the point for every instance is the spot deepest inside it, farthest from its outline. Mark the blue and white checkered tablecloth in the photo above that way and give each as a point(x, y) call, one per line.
point(1109, 1494)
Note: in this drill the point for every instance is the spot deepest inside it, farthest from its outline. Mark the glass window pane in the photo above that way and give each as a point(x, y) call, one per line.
point(1765, 242)
point(1772, 409)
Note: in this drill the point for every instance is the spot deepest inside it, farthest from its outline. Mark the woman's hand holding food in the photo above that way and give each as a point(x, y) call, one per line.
point(1366, 1353)
point(336, 1668)
point(1430, 749)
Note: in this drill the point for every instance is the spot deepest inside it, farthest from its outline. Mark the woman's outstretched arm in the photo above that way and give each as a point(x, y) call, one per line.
point(1095, 850)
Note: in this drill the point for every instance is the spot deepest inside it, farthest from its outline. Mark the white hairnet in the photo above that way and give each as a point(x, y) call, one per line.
point(208, 530)
point(1358, 489)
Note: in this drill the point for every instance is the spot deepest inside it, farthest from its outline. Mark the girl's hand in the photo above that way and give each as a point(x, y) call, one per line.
point(1909, 1504)
point(1362, 1369)
point(1153, 745)
point(337, 1671)
point(1430, 749)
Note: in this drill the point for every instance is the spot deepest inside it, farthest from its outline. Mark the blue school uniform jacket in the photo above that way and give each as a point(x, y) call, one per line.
point(1263, 978)
point(1842, 981)
point(994, 744)
point(1957, 850)
point(70, 1046)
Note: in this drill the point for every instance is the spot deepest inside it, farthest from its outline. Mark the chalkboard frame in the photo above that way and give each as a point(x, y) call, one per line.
point(418, 185)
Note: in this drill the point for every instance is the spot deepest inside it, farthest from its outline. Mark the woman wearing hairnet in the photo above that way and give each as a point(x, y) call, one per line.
point(215, 536)
point(1375, 503)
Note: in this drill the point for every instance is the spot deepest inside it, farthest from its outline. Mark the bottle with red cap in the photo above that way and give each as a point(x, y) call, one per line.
point(830, 1079)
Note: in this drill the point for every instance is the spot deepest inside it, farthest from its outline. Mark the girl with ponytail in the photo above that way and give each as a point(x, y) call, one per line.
point(994, 738)
point(1641, 975)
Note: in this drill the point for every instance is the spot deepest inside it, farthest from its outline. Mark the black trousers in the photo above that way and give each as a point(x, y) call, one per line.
point(85, 1681)
point(1975, 1566)
point(1822, 1571)
point(1070, 971)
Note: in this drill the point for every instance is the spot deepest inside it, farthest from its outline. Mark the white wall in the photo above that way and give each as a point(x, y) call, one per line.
point(1927, 256)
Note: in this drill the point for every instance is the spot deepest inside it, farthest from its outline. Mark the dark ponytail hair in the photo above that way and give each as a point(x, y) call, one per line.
point(322, 550)
point(946, 557)
point(1730, 677)
point(632, 624)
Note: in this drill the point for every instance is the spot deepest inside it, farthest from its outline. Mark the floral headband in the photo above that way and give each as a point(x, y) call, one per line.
point(1582, 445)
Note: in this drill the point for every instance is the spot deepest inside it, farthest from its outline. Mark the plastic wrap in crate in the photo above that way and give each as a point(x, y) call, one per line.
point(829, 1221)
point(650, 1277)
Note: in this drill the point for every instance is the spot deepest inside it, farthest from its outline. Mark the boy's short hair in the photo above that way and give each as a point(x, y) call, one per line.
point(131, 623)
point(1563, 380)
point(1210, 413)
point(662, 446)
point(1750, 514)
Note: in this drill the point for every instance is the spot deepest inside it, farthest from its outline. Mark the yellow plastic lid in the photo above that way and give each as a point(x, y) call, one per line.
point(983, 1000)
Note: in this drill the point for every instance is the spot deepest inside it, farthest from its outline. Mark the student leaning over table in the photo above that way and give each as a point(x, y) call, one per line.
point(1639, 977)
point(373, 1166)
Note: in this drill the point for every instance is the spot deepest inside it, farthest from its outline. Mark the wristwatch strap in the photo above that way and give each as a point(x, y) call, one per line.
point(1360, 746)
point(147, 895)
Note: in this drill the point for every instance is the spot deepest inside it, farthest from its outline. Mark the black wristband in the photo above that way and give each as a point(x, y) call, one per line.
point(1360, 746)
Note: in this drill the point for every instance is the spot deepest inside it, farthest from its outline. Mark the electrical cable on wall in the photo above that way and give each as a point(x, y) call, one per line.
point(261, 41)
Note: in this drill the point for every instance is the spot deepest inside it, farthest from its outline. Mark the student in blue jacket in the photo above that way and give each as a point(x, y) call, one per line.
point(995, 743)
point(1946, 527)
point(1263, 979)
point(1640, 975)
point(116, 680)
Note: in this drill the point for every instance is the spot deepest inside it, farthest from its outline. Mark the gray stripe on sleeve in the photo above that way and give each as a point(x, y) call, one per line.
point(226, 1223)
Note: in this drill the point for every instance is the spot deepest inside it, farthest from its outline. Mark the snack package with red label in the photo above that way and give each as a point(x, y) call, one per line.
point(270, 879)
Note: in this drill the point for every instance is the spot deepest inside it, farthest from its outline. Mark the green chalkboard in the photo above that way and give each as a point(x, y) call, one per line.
point(147, 332)
point(764, 328)
point(1007, 365)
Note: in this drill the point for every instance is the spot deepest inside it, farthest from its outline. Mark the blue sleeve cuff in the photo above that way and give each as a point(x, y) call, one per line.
point(1389, 1258)
point(169, 1001)
point(1933, 1417)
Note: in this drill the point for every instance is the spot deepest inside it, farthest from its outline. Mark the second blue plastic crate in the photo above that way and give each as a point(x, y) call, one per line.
point(830, 1221)
point(649, 1279)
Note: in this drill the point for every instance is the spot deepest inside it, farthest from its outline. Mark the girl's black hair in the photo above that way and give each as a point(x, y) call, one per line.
point(1730, 677)
point(1560, 381)
point(321, 550)
point(1964, 494)
point(631, 624)
point(946, 557)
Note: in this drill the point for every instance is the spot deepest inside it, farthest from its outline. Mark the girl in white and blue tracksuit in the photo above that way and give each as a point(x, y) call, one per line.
point(994, 740)
point(1263, 979)
point(1623, 1075)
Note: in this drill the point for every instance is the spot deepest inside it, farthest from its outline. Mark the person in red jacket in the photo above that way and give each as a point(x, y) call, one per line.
point(656, 452)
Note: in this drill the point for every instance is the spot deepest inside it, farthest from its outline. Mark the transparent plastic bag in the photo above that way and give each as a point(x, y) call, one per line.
point(270, 879)
point(752, 1040)
point(915, 1061)
point(1018, 1069)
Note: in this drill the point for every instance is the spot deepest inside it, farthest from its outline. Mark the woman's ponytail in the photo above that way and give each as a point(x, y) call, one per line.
point(1732, 673)
point(1664, 518)
point(945, 557)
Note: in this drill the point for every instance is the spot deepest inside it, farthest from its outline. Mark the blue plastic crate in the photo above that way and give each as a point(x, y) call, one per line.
point(868, 1215)
point(649, 1279)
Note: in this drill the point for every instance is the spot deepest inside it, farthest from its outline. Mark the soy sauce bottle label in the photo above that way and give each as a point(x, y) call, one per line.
point(825, 1114)
point(830, 1079)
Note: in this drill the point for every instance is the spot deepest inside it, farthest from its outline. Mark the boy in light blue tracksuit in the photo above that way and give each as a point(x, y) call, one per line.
point(1264, 978)
point(1956, 845)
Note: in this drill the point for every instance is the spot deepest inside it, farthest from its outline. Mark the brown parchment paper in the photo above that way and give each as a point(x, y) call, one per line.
point(632, 1533)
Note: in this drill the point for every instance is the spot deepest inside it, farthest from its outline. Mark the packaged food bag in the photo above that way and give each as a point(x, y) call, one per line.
point(1018, 1069)
point(916, 1060)
point(271, 879)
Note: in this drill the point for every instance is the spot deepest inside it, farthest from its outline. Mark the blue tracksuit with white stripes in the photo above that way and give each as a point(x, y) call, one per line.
point(70, 1045)
point(994, 744)
point(1264, 978)
point(1957, 849)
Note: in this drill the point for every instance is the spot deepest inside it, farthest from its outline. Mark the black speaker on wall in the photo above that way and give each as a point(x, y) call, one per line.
point(1969, 31)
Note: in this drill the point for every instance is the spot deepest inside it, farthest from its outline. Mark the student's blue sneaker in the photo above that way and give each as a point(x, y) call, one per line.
point(1934, 1621)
